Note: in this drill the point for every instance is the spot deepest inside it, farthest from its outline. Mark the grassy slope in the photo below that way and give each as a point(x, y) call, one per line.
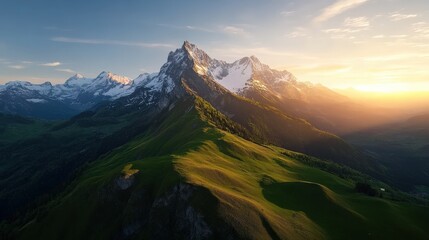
point(38, 158)
point(256, 189)
point(13, 128)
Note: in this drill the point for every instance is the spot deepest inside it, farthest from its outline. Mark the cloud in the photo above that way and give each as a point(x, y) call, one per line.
point(341, 30)
point(194, 28)
point(396, 57)
point(111, 42)
point(399, 36)
point(378, 36)
point(350, 25)
point(298, 32)
point(187, 27)
point(399, 17)
point(421, 28)
point(234, 30)
point(287, 13)
point(16, 66)
point(66, 70)
point(337, 8)
point(358, 22)
point(51, 64)
point(238, 52)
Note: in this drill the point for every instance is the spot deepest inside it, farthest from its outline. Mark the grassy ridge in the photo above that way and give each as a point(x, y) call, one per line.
point(257, 190)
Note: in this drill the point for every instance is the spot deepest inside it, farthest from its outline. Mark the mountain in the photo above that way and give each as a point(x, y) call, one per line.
point(403, 148)
point(321, 106)
point(247, 77)
point(62, 101)
point(181, 176)
point(187, 70)
point(84, 137)
point(183, 157)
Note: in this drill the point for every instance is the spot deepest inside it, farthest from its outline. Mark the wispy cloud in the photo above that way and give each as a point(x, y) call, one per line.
point(287, 13)
point(422, 29)
point(358, 22)
point(16, 66)
point(201, 29)
point(396, 57)
point(66, 70)
point(111, 42)
point(350, 26)
point(51, 64)
point(297, 33)
point(399, 16)
point(399, 36)
point(341, 30)
point(337, 8)
point(238, 52)
point(234, 30)
point(4, 61)
point(187, 27)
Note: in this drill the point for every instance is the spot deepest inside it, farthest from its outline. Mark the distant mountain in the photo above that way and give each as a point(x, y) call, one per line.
point(246, 77)
point(402, 147)
point(62, 101)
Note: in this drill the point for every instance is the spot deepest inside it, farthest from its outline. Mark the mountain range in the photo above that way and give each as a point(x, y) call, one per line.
point(62, 101)
point(203, 149)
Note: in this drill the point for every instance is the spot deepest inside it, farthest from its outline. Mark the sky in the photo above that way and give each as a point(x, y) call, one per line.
point(370, 45)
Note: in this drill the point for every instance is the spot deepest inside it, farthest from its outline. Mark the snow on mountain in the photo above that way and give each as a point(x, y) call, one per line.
point(247, 77)
point(164, 80)
point(36, 100)
point(78, 93)
point(233, 77)
point(240, 75)
point(106, 84)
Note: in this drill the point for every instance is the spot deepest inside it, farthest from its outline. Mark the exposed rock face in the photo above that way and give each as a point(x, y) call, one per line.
point(125, 182)
point(173, 211)
point(169, 216)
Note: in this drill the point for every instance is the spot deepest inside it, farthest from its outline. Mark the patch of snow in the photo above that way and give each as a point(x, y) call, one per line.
point(117, 78)
point(236, 78)
point(78, 81)
point(141, 79)
point(35, 100)
point(119, 91)
point(169, 85)
point(155, 84)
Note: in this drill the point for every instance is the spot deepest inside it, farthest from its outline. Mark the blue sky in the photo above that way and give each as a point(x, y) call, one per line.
point(371, 44)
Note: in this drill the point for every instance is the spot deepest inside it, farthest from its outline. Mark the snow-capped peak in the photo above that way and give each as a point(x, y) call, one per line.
point(196, 54)
point(78, 75)
point(111, 76)
point(18, 83)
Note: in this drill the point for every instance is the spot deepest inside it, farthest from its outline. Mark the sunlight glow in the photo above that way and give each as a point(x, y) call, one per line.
point(384, 87)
